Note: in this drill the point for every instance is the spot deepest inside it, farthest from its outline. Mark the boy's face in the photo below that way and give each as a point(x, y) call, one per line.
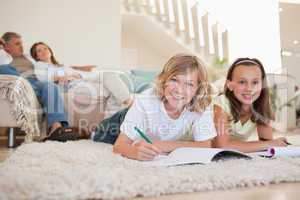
point(180, 90)
point(14, 47)
point(246, 83)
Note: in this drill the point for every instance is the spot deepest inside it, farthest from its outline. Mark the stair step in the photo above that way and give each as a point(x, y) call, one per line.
point(183, 32)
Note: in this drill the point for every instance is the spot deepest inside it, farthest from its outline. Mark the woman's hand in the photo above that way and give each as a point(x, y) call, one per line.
point(146, 151)
point(74, 76)
point(62, 80)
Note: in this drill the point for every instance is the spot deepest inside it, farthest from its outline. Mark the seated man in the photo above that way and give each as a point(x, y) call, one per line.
point(14, 62)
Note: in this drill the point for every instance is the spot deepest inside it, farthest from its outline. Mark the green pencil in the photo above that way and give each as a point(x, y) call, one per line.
point(143, 135)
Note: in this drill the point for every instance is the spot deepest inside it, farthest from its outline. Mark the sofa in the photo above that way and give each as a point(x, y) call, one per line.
point(20, 107)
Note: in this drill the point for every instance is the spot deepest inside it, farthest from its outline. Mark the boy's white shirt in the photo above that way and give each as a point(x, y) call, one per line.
point(149, 115)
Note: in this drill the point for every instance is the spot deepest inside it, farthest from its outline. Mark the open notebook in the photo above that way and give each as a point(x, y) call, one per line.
point(190, 155)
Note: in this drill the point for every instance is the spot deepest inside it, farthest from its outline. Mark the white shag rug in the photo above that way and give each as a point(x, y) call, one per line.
point(89, 170)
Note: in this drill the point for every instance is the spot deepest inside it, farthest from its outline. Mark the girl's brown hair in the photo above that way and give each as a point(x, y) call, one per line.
point(33, 53)
point(261, 110)
point(182, 64)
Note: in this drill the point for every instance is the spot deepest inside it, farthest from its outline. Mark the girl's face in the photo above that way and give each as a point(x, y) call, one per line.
point(43, 53)
point(180, 90)
point(246, 83)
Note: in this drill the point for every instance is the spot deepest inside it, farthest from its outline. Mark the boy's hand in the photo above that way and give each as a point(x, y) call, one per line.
point(164, 146)
point(146, 151)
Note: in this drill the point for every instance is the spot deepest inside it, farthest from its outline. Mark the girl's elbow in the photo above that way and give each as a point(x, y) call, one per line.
point(217, 143)
point(204, 144)
point(208, 144)
point(220, 145)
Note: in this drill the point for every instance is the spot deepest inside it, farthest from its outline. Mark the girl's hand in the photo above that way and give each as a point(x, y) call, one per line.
point(280, 142)
point(146, 151)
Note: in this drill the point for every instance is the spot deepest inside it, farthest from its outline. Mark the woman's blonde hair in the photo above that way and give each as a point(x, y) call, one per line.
point(183, 64)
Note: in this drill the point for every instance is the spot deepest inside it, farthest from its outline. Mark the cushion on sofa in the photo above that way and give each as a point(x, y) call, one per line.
point(139, 80)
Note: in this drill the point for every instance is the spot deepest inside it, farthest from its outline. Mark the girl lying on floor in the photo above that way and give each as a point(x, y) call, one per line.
point(243, 108)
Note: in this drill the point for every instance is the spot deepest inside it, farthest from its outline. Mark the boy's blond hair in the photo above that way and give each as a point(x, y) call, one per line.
point(183, 64)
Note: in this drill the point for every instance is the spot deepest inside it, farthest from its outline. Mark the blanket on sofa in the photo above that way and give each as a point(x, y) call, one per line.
point(89, 170)
point(24, 104)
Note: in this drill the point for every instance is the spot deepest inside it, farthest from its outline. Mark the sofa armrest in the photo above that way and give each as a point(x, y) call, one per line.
point(25, 108)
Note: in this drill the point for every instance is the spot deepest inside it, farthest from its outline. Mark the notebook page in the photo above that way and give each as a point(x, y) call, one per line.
point(185, 155)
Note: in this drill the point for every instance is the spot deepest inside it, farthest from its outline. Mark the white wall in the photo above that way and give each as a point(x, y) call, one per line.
point(79, 32)
point(253, 27)
point(145, 44)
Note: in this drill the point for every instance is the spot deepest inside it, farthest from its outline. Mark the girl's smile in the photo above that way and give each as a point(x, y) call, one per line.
point(246, 83)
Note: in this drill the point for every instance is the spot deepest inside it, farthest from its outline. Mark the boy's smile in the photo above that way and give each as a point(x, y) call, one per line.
point(180, 90)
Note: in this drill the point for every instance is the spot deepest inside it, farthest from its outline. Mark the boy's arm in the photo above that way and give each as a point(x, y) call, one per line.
point(139, 150)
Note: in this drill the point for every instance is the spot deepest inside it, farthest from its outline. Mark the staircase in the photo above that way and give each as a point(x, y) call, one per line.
point(186, 23)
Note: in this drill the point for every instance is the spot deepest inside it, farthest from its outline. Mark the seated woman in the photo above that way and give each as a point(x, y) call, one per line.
point(48, 68)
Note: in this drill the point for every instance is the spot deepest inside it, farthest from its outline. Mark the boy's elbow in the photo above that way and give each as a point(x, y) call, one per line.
point(116, 149)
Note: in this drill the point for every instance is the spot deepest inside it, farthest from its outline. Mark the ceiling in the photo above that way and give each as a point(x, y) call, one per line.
point(290, 27)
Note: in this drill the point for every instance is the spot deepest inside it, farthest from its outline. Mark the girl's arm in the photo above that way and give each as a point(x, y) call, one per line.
point(138, 150)
point(265, 132)
point(223, 140)
point(168, 146)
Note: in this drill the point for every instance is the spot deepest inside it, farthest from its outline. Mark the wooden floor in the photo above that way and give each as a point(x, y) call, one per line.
point(283, 191)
